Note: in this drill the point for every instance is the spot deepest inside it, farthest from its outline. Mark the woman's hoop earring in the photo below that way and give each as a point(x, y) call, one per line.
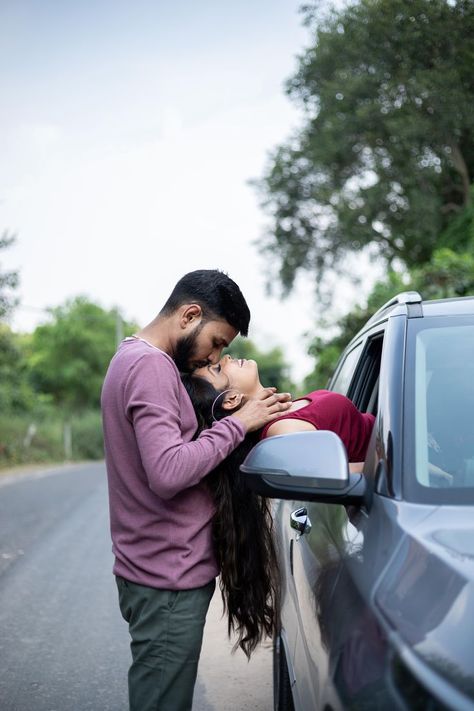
point(217, 398)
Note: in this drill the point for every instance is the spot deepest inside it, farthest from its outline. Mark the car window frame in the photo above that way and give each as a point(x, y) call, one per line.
point(368, 373)
point(346, 354)
point(366, 369)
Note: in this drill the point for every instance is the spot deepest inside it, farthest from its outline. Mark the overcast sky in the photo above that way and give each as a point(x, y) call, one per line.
point(129, 132)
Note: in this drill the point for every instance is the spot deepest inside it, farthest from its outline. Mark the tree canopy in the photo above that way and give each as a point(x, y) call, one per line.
point(384, 157)
point(70, 355)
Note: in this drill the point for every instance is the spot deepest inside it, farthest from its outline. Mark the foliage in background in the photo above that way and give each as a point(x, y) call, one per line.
point(87, 437)
point(16, 392)
point(446, 275)
point(8, 281)
point(385, 153)
point(50, 380)
point(70, 355)
point(39, 437)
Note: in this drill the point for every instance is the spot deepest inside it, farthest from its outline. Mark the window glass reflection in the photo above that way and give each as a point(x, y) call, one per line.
point(444, 404)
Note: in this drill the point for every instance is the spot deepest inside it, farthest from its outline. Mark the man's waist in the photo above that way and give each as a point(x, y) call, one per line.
point(166, 574)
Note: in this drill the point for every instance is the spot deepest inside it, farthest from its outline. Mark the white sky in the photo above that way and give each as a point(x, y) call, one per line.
point(128, 134)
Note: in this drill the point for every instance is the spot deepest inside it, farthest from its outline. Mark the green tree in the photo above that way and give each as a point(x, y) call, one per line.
point(272, 367)
point(447, 274)
point(16, 394)
point(70, 355)
point(385, 153)
point(8, 281)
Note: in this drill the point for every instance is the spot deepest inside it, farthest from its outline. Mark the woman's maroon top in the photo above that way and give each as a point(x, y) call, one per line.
point(335, 412)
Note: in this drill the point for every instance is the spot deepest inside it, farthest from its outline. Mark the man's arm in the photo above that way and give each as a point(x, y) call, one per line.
point(152, 402)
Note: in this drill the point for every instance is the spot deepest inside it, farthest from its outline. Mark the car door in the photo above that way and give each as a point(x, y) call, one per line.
point(321, 538)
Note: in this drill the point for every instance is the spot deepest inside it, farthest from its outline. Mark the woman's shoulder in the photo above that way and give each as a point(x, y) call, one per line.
point(321, 393)
point(287, 425)
point(299, 420)
point(330, 398)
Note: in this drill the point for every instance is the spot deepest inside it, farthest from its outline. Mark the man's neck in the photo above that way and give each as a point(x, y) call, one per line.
point(157, 334)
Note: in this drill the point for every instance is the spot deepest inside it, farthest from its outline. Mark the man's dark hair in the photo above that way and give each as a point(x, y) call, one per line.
point(216, 293)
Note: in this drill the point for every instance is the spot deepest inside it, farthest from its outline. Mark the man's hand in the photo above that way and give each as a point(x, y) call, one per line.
point(256, 413)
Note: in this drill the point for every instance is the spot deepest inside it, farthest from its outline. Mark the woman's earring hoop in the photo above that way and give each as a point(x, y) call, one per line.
point(217, 398)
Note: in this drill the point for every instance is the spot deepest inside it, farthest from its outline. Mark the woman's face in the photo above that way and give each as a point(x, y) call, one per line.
point(237, 373)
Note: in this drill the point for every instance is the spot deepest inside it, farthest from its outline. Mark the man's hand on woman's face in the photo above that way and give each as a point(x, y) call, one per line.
point(268, 405)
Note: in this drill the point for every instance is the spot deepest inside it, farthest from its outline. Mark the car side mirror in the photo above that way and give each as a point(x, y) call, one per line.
point(311, 466)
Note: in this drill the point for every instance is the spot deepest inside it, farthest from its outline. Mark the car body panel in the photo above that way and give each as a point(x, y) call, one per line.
point(428, 593)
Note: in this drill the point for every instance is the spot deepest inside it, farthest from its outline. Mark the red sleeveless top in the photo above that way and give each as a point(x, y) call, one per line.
point(332, 411)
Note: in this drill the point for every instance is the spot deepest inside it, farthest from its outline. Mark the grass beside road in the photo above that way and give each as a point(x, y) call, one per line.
point(43, 439)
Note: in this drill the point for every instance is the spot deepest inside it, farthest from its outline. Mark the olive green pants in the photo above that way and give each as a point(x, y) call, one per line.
point(166, 627)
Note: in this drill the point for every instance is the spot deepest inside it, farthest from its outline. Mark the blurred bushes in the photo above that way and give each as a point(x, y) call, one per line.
point(50, 383)
point(39, 437)
point(87, 438)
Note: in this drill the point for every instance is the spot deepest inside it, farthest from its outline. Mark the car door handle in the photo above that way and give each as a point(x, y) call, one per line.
point(299, 520)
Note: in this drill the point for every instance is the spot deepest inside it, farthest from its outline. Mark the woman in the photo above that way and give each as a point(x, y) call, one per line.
point(242, 522)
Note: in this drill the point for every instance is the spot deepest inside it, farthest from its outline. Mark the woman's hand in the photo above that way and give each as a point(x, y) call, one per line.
point(257, 412)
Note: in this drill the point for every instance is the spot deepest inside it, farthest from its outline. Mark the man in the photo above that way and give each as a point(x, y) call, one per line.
point(160, 508)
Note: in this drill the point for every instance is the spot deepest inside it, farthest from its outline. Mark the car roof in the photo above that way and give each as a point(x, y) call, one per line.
point(411, 304)
point(442, 307)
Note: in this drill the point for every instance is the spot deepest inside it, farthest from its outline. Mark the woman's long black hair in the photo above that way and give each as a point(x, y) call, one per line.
point(242, 532)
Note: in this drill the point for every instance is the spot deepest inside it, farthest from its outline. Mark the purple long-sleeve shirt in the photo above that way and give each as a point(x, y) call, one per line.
point(160, 507)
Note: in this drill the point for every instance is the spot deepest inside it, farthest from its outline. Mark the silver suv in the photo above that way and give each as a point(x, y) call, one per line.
point(377, 570)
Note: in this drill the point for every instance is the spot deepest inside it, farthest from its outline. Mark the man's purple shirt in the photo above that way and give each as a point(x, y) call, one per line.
point(160, 507)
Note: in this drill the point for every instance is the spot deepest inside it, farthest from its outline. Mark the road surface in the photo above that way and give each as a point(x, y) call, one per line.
point(63, 643)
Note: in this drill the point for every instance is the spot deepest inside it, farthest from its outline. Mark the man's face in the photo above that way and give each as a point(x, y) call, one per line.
point(203, 345)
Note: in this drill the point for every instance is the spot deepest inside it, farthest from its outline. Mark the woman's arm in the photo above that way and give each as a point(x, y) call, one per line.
point(288, 425)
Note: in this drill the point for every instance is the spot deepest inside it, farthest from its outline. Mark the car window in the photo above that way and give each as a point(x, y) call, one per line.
point(343, 376)
point(358, 374)
point(442, 422)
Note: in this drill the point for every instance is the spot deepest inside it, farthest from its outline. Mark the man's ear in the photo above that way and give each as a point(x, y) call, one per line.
point(189, 314)
point(232, 400)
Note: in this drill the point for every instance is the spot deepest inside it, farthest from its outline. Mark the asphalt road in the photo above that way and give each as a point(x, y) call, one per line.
point(63, 643)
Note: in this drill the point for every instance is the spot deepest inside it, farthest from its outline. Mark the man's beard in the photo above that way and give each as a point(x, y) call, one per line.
point(185, 350)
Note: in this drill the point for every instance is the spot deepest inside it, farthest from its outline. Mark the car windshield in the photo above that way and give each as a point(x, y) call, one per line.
point(442, 375)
